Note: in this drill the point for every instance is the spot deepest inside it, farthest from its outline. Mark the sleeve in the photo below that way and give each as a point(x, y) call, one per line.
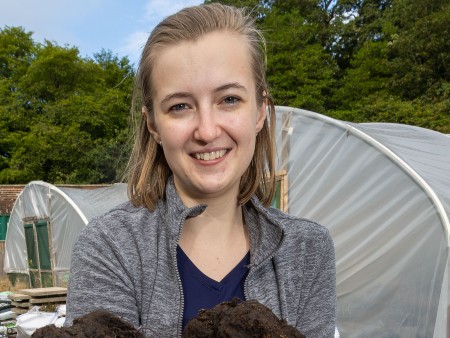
point(318, 318)
point(99, 278)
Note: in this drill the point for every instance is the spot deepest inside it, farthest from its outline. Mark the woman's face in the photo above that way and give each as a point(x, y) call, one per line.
point(206, 114)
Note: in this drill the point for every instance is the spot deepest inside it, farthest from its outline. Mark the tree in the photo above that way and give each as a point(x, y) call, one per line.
point(117, 73)
point(419, 53)
point(16, 52)
point(366, 75)
point(16, 55)
point(67, 119)
point(300, 71)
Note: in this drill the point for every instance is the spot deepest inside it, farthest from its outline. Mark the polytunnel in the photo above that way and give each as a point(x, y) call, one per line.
point(45, 222)
point(383, 191)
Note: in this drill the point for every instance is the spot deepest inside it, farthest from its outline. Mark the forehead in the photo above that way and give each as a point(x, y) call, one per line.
point(223, 36)
point(216, 56)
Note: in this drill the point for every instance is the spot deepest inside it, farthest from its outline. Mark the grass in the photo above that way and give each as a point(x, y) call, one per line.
point(6, 285)
point(49, 307)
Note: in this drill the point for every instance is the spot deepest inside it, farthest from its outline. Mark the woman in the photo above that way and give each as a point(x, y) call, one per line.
point(197, 229)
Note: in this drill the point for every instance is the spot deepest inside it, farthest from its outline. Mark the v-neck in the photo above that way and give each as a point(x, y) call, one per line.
point(194, 272)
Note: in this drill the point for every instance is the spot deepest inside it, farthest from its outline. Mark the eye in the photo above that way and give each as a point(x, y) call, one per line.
point(178, 107)
point(231, 100)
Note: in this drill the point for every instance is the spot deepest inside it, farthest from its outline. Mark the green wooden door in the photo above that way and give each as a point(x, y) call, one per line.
point(38, 250)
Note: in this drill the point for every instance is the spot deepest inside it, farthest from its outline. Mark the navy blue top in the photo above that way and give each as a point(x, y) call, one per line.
point(202, 292)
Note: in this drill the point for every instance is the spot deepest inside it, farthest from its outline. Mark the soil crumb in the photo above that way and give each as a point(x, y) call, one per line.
point(236, 319)
point(95, 324)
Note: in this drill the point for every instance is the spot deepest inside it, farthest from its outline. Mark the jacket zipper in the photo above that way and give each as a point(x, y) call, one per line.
point(180, 284)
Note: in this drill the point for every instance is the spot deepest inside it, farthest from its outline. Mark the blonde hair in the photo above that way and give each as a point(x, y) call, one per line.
point(148, 170)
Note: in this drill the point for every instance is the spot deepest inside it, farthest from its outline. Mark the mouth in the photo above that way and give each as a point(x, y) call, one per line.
point(210, 156)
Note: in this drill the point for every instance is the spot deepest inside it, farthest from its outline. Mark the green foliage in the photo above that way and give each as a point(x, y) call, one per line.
point(300, 71)
point(63, 118)
point(398, 67)
point(387, 108)
point(367, 75)
point(419, 53)
point(16, 52)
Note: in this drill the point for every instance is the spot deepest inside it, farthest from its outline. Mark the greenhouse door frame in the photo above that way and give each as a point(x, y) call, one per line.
point(280, 199)
point(35, 268)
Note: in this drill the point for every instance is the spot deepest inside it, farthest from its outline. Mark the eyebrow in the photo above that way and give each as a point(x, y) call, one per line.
point(234, 85)
point(182, 95)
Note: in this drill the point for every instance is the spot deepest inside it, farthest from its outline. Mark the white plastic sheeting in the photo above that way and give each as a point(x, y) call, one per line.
point(383, 190)
point(67, 209)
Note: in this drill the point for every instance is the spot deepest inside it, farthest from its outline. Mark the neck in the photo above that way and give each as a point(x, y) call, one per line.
point(220, 225)
point(218, 218)
point(216, 240)
point(220, 222)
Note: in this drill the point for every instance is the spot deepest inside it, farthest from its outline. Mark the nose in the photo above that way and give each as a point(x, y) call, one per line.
point(208, 128)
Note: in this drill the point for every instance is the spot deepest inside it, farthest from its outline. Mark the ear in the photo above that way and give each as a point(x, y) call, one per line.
point(151, 124)
point(262, 114)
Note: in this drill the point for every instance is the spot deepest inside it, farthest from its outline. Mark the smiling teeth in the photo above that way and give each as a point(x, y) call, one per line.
point(210, 156)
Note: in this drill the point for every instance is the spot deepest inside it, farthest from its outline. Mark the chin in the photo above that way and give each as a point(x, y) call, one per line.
point(214, 190)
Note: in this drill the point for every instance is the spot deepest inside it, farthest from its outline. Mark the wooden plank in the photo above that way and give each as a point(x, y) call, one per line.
point(42, 292)
point(18, 296)
point(34, 301)
point(20, 304)
point(19, 311)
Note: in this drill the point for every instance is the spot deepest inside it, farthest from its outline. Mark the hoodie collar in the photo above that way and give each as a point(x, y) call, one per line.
point(265, 232)
point(174, 212)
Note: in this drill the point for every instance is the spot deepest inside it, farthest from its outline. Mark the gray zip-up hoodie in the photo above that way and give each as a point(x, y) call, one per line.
point(125, 262)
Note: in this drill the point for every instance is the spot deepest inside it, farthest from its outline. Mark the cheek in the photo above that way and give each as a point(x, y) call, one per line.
point(243, 120)
point(173, 135)
point(244, 123)
point(234, 122)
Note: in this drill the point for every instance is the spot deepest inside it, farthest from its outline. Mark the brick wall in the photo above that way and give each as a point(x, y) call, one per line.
point(8, 195)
